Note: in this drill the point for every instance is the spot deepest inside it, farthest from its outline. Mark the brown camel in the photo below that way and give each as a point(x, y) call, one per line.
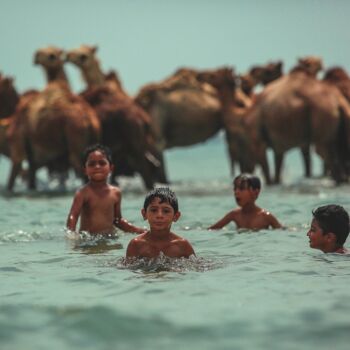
point(240, 147)
point(53, 127)
point(8, 97)
point(298, 110)
point(267, 73)
point(291, 112)
point(126, 128)
point(340, 78)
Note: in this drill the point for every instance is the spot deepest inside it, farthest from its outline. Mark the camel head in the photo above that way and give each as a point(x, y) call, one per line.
point(146, 96)
point(247, 83)
point(50, 57)
point(219, 78)
point(82, 57)
point(267, 73)
point(311, 65)
point(336, 74)
point(8, 96)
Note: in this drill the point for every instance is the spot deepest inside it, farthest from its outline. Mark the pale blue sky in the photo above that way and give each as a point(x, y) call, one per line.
point(147, 40)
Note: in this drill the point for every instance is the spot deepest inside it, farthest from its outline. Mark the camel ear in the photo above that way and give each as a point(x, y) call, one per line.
point(62, 54)
point(94, 49)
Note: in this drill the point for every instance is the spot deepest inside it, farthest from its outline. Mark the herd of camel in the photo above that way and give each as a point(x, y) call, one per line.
point(52, 127)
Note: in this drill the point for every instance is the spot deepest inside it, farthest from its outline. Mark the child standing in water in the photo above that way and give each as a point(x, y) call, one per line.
point(246, 190)
point(98, 204)
point(329, 229)
point(160, 209)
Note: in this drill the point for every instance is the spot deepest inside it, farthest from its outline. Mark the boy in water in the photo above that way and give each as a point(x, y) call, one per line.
point(246, 190)
point(160, 209)
point(98, 204)
point(329, 229)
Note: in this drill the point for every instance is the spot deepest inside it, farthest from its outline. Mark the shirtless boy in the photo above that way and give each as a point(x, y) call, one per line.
point(329, 229)
point(98, 204)
point(160, 209)
point(246, 190)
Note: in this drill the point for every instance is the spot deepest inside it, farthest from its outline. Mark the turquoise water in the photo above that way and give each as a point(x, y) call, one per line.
point(245, 290)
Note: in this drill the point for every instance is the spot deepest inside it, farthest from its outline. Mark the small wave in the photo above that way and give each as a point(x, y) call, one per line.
point(23, 236)
point(93, 244)
point(165, 263)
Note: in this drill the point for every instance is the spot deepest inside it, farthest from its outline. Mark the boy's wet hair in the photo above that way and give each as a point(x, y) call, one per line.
point(165, 194)
point(333, 218)
point(98, 147)
point(252, 181)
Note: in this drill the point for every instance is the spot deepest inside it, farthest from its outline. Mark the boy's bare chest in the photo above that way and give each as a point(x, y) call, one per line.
point(251, 221)
point(99, 203)
point(153, 249)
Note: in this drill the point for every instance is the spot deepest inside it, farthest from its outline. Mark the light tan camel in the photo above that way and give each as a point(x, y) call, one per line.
point(184, 111)
point(126, 128)
point(53, 127)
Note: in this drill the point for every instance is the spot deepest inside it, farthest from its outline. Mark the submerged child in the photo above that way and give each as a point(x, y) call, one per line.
point(329, 229)
point(98, 204)
point(246, 190)
point(160, 209)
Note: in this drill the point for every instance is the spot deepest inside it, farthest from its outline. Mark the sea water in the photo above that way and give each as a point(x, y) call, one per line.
point(243, 290)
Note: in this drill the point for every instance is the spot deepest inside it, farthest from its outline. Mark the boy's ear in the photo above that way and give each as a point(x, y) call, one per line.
point(143, 213)
point(112, 168)
point(331, 237)
point(176, 216)
point(257, 192)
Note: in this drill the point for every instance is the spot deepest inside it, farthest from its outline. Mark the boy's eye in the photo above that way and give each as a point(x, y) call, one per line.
point(94, 163)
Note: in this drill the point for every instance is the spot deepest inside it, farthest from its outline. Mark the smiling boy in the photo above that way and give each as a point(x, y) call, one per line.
point(160, 209)
point(98, 204)
point(246, 190)
point(329, 229)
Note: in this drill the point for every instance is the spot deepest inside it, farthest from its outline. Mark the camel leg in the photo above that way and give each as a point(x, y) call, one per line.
point(32, 176)
point(159, 167)
point(305, 151)
point(278, 166)
point(262, 161)
point(15, 170)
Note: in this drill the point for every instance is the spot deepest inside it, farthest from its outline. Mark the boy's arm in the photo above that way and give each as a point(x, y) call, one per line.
point(223, 222)
point(188, 250)
point(274, 223)
point(132, 250)
point(75, 211)
point(122, 223)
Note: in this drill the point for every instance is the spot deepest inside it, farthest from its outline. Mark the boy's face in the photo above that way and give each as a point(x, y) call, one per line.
point(317, 239)
point(159, 215)
point(97, 167)
point(243, 193)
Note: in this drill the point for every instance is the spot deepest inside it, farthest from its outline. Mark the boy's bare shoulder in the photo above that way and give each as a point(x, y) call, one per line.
point(235, 212)
point(115, 191)
point(270, 218)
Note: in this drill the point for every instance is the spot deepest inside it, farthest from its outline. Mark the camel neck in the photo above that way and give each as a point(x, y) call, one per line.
point(93, 75)
point(56, 74)
point(227, 97)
